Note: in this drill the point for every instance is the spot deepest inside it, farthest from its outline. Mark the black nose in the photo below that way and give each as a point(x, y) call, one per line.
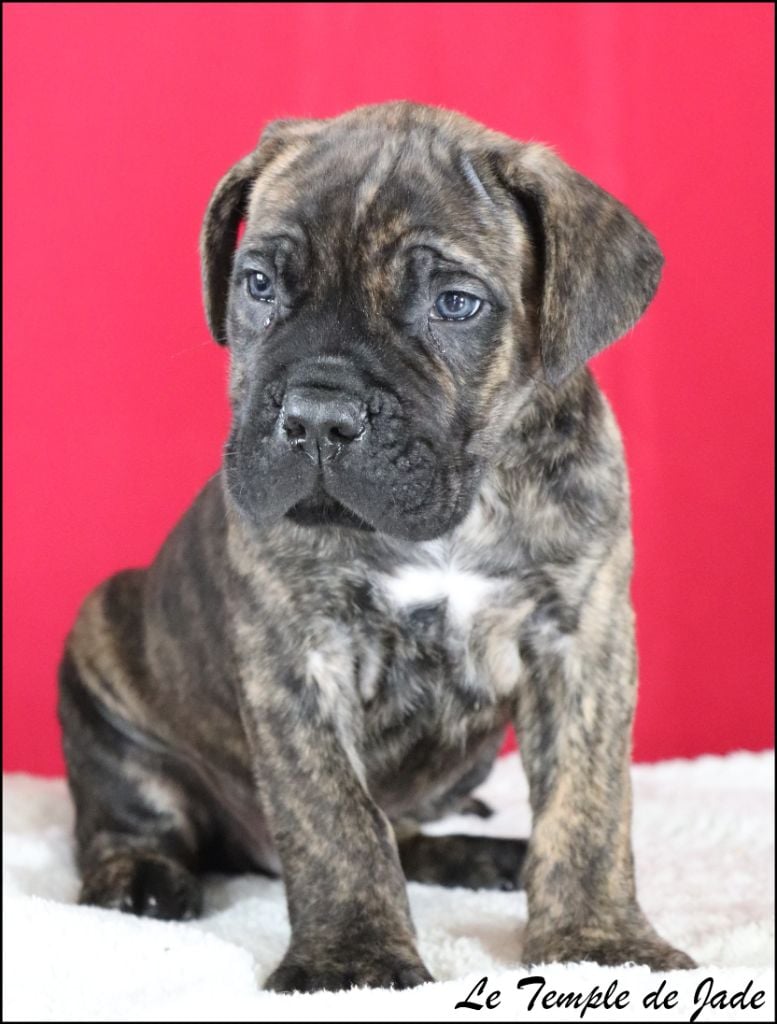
point(321, 423)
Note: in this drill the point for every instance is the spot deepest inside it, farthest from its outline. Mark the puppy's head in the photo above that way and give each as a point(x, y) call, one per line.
point(404, 278)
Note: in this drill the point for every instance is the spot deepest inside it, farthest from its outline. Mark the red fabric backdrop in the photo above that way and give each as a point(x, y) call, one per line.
point(119, 119)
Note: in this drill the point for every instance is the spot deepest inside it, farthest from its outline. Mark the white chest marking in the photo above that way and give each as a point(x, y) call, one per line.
point(465, 592)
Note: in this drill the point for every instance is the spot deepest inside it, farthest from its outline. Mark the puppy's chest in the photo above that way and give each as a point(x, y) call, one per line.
point(444, 632)
point(453, 598)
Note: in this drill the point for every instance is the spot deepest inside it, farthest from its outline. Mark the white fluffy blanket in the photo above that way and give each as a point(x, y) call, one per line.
point(703, 839)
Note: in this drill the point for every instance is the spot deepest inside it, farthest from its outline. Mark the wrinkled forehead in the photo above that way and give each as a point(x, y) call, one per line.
point(382, 192)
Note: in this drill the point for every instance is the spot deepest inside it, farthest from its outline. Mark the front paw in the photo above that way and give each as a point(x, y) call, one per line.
point(362, 968)
point(605, 948)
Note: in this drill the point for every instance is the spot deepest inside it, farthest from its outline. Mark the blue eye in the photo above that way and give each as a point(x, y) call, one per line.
point(260, 287)
point(457, 305)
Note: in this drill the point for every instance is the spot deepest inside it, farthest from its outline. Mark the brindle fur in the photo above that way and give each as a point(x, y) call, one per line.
point(275, 692)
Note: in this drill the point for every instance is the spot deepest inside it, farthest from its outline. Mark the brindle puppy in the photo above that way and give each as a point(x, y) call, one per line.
point(420, 534)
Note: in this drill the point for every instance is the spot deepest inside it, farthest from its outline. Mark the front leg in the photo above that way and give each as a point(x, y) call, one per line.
point(574, 727)
point(346, 894)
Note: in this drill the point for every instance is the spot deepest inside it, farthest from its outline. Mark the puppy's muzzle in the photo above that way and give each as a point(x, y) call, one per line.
point(321, 423)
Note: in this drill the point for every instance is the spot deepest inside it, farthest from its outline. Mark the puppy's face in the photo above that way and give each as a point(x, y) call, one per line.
point(384, 315)
point(377, 332)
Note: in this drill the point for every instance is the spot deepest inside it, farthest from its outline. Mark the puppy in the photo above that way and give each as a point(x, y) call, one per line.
point(420, 535)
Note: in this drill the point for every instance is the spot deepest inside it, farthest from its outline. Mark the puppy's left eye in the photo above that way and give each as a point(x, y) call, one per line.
point(457, 305)
point(260, 286)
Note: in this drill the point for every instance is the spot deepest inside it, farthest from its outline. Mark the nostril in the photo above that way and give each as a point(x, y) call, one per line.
point(345, 432)
point(294, 427)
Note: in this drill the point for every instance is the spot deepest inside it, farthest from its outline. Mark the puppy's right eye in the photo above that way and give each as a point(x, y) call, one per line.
point(260, 286)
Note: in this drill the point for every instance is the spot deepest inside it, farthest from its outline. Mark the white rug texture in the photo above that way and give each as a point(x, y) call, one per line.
point(704, 848)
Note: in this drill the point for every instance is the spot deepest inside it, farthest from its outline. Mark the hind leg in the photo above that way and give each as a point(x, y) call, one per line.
point(140, 881)
point(472, 862)
point(140, 823)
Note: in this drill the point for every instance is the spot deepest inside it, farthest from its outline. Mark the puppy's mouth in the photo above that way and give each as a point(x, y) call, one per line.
point(321, 509)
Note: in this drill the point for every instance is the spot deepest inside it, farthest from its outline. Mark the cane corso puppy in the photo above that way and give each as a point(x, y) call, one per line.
point(420, 534)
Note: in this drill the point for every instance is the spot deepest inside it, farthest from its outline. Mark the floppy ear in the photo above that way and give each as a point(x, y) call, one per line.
point(600, 266)
point(226, 209)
